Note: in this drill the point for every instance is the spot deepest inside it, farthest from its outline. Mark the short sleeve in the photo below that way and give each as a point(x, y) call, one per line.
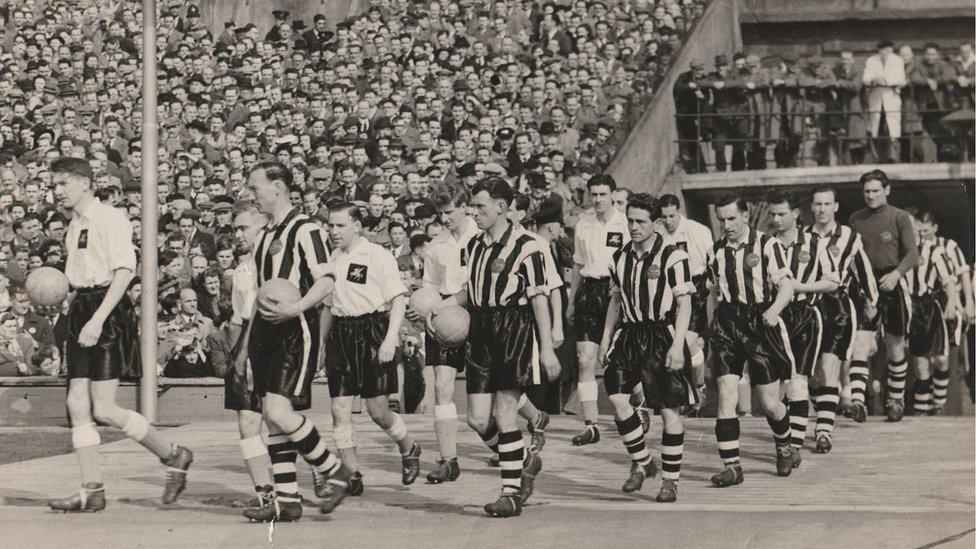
point(391, 285)
point(553, 279)
point(312, 244)
point(678, 268)
point(533, 271)
point(120, 250)
point(776, 259)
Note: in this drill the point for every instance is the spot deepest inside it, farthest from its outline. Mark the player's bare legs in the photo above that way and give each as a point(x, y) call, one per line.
point(588, 391)
point(394, 427)
point(445, 426)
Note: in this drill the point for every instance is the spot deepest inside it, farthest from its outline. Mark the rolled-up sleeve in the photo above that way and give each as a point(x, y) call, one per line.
point(776, 259)
point(312, 243)
point(389, 277)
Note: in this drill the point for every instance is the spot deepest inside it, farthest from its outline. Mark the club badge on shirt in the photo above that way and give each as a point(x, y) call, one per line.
point(497, 265)
point(356, 274)
point(275, 247)
point(654, 271)
point(82, 239)
point(834, 251)
point(804, 257)
point(752, 260)
point(615, 240)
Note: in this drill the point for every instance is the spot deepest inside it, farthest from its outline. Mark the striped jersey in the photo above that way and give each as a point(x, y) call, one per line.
point(294, 249)
point(809, 262)
point(846, 249)
point(649, 282)
point(931, 272)
point(747, 272)
point(505, 272)
point(958, 267)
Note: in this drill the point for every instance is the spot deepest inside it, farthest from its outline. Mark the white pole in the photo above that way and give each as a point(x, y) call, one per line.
point(150, 215)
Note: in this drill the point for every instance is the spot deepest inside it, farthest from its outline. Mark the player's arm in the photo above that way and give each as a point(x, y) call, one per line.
point(122, 262)
point(967, 292)
point(827, 282)
point(679, 280)
point(312, 243)
point(907, 249)
point(779, 275)
point(533, 270)
point(555, 296)
point(948, 284)
point(575, 278)
point(613, 314)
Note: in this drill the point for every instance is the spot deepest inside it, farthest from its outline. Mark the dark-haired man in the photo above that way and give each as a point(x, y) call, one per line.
point(597, 237)
point(283, 339)
point(368, 306)
point(651, 296)
point(814, 273)
point(101, 341)
point(510, 333)
point(890, 243)
point(747, 331)
point(855, 276)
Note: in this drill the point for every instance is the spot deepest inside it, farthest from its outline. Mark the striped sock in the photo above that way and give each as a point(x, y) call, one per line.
point(923, 396)
point(491, 437)
point(672, 446)
point(781, 429)
point(940, 387)
point(859, 380)
point(727, 435)
point(799, 412)
point(312, 447)
point(825, 401)
point(511, 452)
point(897, 372)
point(632, 433)
point(283, 455)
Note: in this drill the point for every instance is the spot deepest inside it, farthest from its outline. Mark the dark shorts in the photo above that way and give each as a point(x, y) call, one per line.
point(502, 352)
point(805, 327)
point(436, 354)
point(928, 336)
point(699, 306)
point(894, 312)
point(637, 354)
point(116, 355)
point(590, 309)
point(839, 324)
point(350, 357)
point(953, 326)
point(237, 395)
point(737, 336)
point(284, 357)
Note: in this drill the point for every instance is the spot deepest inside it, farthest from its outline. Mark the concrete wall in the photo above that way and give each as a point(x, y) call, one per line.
point(648, 156)
point(216, 12)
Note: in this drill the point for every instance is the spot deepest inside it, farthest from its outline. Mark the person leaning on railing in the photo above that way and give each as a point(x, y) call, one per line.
point(932, 81)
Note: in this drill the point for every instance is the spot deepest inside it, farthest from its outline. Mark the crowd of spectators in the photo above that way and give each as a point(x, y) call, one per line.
point(387, 108)
point(785, 111)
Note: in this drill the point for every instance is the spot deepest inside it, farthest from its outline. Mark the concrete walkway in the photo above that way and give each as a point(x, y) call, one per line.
point(895, 485)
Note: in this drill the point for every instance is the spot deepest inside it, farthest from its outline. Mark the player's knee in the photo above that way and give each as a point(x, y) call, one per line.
point(379, 411)
point(728, 391)
point(107, 412)
point(277, 414)
point(478, 422)
point(249, 425)
point(621, 406)
point(79, 407)
point(444, 391)
point(798, 388)
point(769, 400)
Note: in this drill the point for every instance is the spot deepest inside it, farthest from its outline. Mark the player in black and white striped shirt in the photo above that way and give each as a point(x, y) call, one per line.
point(748, 271)
point(840, 315)
point(928, 339)
point(651, 289)
point(814, 274)
point(284, 338)
point(510, 332)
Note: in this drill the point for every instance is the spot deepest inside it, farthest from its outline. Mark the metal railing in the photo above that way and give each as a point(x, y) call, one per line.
point(805, 136)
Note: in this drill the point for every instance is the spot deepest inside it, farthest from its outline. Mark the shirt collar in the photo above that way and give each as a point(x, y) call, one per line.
point(486, 236)
point(831, 229)
point(750, 236)
point(89, 209)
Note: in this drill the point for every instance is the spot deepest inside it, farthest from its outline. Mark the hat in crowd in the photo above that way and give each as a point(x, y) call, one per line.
point(506, 133)
point(192, 11)
point(280, 15)
point(205, 206)
point(697, 65)
point(424, 210)
point(221, 206)
point(549, 212)
point(721, 61)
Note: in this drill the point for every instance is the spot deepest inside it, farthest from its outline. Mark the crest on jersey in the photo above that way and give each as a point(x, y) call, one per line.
point(615, 240)
point(275, 247)
point(653, 272)
point(804, 257)
point(497, 265)
point(752, 260)
point(356, 274)
point(886, 236)
point(82, 239)
point(834, 251)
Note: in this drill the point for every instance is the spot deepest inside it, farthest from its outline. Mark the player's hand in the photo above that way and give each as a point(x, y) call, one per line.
point(412, 315)
point(770, 318)
point(90, 333)
point(675, 360)
point(550, 363)
point(386, 352)
point(278, 311)
point(889, 281)
point(970, 313)
point(557, 337)
point(22, 368)
point(570, 312)
point(870, 311)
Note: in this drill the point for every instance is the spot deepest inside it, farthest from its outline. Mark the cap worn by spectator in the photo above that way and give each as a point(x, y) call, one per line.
point(721, 61)
point(549, 212)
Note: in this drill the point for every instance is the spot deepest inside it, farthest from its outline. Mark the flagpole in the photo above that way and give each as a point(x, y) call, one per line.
point(148, 305)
